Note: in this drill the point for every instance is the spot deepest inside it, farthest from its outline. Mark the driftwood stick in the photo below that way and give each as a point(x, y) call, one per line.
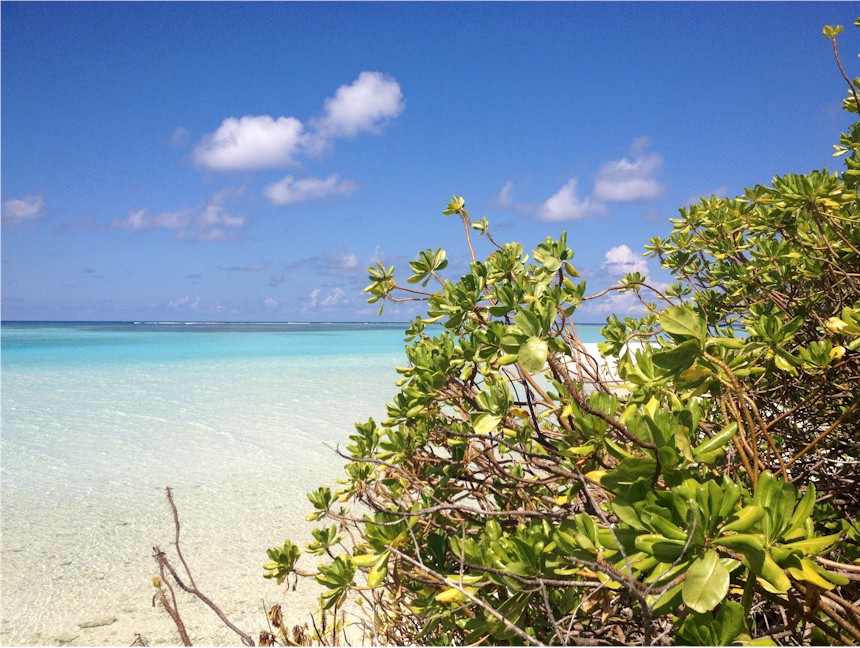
point(171, 608)
point(176, 526)
point(191, 587)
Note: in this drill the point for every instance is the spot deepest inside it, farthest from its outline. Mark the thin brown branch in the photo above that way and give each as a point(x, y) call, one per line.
point(192, 588)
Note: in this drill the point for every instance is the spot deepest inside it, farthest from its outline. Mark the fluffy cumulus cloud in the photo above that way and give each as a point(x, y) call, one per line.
point(262, 141)
point(251, 142)
point(363, 106)
point(22, 210)
point(630, 180)
point(621, 259)
point(211, 223)
point(291, 190)
point(566, 205)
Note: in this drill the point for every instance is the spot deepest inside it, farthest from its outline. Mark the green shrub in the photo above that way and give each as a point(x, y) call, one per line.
point(515, 494)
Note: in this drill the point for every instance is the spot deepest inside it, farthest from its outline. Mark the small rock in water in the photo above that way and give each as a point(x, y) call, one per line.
point(67, 637)
point(96, 623)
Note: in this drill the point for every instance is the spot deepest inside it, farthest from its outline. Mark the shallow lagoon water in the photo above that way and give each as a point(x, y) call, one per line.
point(240, 420)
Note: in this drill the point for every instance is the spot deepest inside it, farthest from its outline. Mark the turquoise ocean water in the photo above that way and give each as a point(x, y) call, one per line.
point(241, 420)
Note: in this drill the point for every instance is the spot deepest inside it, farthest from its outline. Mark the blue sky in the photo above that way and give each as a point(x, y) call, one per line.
point(244, 161)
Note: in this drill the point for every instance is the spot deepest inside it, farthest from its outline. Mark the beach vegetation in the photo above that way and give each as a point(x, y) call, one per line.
point(695, 484)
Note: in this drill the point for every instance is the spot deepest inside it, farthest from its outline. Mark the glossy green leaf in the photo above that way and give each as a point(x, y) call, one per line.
point(533, 355)
point(485, 423)
point(707, 583)
point(717, 441)
point(744, 519)
point(682, 322)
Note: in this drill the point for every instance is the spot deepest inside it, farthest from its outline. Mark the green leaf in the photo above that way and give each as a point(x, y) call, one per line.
point(730, 622)
point(831, 31)
point(677, 358)
point(716, 441)
point(803, 510)
point(707, 583)
point(485, 423)
point(682, 322)
point(773, 575)
point(813, 546)
point(379, 571)
point(783, 364)
point(808, 572)
point(628, 471)
point(744, 518)
point(533, 354)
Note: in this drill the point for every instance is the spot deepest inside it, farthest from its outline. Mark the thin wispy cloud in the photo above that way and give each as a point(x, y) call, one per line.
point(333, 264)
point(22, 210)
point(250, 267)
point(262, 141)
point(180, 136)
point(320, 298)
point(211, 223)
point(186, 302)
point(507, 201)
point(292, 191)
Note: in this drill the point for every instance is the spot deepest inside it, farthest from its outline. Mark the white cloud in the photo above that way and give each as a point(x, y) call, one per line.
point(262, 141)
point(250, 267)
point(317, 299)
point(620, 303)
point(332, 264)
point(621, 259)
point(335, 297)
point(567, 205)
point(291, 191)
point(342, 264)
point(505, 199)
point(251, 142)
point(211, 223)
point(271, 303)
point(23, 209)
point(365, 105)
point(627, 180)
point(185, 303)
